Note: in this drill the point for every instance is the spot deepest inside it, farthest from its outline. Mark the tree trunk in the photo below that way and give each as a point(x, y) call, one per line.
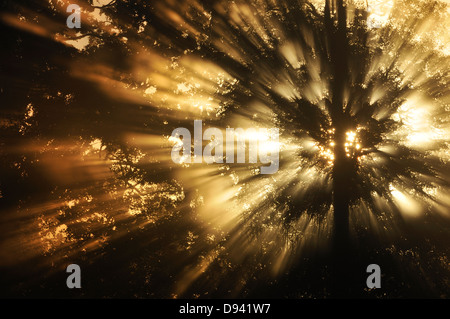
point(339, 54)
point(342, 169)
point(341, 244)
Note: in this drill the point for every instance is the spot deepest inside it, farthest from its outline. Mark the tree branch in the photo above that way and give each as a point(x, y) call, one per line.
point(105, 6)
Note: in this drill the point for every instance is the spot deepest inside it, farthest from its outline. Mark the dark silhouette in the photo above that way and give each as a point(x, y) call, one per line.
point(322, 76)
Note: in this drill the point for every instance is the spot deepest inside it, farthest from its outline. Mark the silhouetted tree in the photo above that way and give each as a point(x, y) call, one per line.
point(334, 87)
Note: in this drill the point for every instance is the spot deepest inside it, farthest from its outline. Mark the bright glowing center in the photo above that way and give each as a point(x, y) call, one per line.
point(352, 146)
point(352, 143)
